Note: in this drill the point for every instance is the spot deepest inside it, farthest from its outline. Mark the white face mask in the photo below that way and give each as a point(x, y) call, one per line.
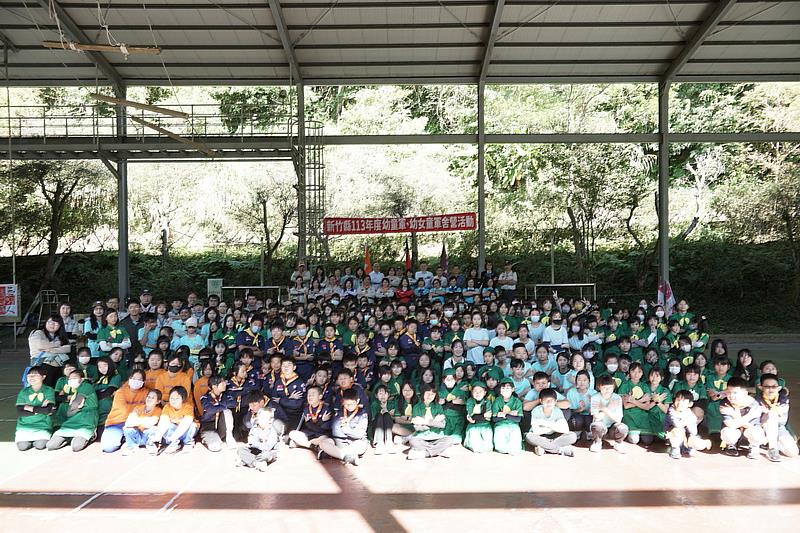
point(588, 354)
point(612, 367)
point(448, 314)
point(576, 328)
point(535, 318)
point(674, 370)
point(641, 318)
point(135, 384)
point(84, 360)
point(686, 348)
point(660, 314)
point(74, 383)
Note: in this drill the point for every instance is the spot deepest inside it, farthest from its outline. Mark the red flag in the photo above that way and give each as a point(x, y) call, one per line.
point(407, 258)
point(367, 260)
point(443, 259)
point(665, 296)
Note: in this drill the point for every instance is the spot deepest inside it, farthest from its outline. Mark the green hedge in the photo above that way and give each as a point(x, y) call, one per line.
point(728, 282)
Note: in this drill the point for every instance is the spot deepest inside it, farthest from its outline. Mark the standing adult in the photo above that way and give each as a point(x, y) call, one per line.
point(508, 282)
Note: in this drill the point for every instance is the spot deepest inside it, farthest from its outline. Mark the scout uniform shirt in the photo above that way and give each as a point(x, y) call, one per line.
point(112, 335)
point(82, 423)
point(37, 425)
point(429, 412)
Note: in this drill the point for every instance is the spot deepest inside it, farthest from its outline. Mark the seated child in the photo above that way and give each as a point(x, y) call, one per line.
point(428, 417)
point(549, 431)
point(607, 416)
point(262, 442)
point(382, 415)
point(507, 414)
point(80, 424)
point(680, 426)
point(348, 439)
point(315, 423)
point(741, 417)
point(141, 423)
point(36, 404)
point(774, 402)
point(216, 422)
point(176, 427)
point(479, 435)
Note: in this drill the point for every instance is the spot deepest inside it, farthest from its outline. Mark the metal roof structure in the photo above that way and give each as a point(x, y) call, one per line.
point(249, 42)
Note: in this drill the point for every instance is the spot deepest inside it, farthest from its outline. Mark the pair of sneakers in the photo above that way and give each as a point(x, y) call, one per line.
point(733, 451)
point(567, 451)
point(618, 446)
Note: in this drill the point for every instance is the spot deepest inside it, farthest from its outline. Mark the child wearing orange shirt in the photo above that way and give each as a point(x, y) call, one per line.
point(176, 427)
point(142, 422)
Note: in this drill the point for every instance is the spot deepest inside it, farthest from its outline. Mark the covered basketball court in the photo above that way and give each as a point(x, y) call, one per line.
point(365, 42)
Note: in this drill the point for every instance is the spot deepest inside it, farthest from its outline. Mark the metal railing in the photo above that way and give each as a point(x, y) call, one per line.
point(204, 120)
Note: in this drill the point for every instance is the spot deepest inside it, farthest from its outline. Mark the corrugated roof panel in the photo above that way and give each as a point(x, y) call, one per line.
point(748, 51)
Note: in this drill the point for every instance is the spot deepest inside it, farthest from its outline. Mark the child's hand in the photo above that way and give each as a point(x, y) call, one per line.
point(581, 405)
point(326, 416)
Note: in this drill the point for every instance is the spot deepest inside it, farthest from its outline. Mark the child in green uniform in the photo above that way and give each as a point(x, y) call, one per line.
point(636, 404)
point(63, 391)
point(85, 364)
point(36, 404)
point(403, 413)
point(478, 437)
point(107, 383)
point(715, 389)
point(80, 424)
point(453, 400)
point(507, 410)
point(429, 419)
point(434, 345)
point(660, 400)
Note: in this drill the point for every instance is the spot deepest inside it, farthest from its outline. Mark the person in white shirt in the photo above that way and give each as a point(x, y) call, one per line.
point(303, 273)
point(424, 274)
point(476, 338)
point(556, 334)
point(376, 276)
point(507, 281)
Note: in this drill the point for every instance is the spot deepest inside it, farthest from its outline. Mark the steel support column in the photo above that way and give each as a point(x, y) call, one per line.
point(122, 204)
point(663, 181)
point(481, 178)
point(302, 218)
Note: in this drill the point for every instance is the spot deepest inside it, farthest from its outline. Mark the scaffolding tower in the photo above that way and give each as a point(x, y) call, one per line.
point(309, 163)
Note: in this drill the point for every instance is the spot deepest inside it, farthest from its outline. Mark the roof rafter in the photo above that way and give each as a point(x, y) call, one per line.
point(77, 34)
point(711, 22)
point(283, 33)
point(497, 14)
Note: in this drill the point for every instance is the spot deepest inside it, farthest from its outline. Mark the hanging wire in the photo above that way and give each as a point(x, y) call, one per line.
point(678, 26)
point(243, 21)
point(526, 21)
point(160, 56)
point(748, 17)
point(474, 34)
point(316, 22)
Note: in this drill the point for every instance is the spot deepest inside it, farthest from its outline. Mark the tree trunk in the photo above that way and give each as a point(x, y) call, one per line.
point(577, 243)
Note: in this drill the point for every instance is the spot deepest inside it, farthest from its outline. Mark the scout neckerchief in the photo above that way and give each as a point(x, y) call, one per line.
point(314, 413)
point(346, 418)
point(286, 380)
point(409, 409)
point(237, 381)
point(771, 404)
point(36, 396)
point(278, 345)
point(359, 351)
point(255, 336)
point(303, 342)
point(480, 407)
point(428, 413)
point(506, 408)
point(103, 379)
point(413, 338)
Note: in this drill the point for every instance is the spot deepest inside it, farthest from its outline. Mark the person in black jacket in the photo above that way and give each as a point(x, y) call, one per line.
point(315, 423)
point(216, 424)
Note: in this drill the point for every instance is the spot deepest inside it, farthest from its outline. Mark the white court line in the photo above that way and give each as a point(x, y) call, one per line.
point(167, 507)
point(107, 489)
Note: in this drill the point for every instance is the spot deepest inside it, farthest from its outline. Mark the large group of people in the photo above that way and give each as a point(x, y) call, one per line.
point(396, 361)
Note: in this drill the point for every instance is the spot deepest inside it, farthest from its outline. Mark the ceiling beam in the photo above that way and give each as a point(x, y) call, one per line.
point(711, 22)
point(283, 33)
point(497, 15)
point(75, 33)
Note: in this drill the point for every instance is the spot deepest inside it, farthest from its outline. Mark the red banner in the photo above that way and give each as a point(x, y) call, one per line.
point(358, 226)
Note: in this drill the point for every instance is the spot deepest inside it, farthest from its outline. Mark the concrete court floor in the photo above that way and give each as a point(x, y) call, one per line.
point(90, 491)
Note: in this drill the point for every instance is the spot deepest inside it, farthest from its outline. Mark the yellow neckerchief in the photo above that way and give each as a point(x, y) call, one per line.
point(303, 341)
point(36, 395)
point(409, 410)
point(329, 340)
point(359, 351)
point(770, 404)
point(428, 413)
point(272, 340)
point(291, 377)
point(413, 338)
point(235, 381)
point(314, 414)
point(103, 380)
point(346, 418)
